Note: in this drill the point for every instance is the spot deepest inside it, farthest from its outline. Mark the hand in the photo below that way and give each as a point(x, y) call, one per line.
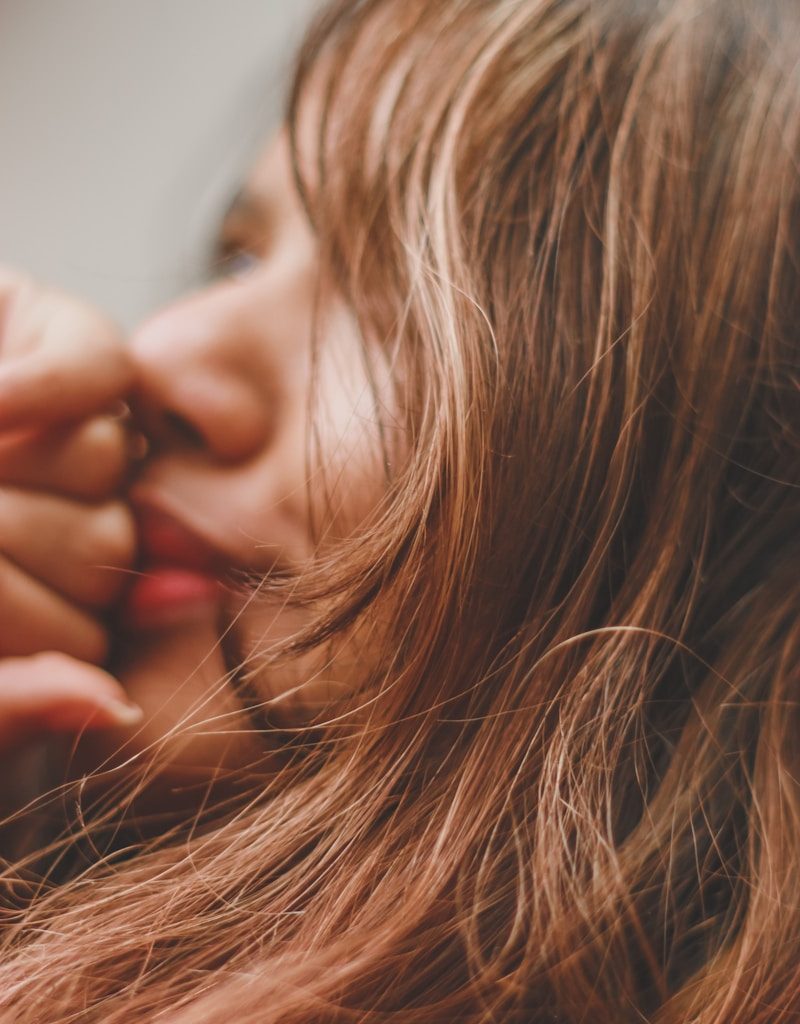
point(65, 539)
point(52, 693)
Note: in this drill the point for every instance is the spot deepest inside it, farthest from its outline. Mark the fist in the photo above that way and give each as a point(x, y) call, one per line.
point(66, 540)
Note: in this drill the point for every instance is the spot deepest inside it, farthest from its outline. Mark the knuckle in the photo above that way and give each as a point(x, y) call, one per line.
point(83, 315)
point(102, 448)
point(101, 333)
point(65, 318)
point(113, 535)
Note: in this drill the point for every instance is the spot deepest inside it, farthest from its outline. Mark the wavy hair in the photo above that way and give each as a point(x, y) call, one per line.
point(569, 787)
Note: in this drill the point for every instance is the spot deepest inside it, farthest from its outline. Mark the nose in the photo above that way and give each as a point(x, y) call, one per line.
point(200, 383)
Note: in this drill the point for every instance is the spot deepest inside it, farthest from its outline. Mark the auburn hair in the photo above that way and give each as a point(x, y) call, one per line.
point(569, 786)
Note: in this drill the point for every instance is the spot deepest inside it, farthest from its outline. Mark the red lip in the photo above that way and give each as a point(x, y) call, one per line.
point(178, 576)
point(166, 541)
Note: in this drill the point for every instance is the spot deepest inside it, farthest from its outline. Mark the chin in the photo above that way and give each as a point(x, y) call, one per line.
point(196, 740)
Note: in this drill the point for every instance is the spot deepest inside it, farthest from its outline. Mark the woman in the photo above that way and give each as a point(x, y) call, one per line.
point(503, 726)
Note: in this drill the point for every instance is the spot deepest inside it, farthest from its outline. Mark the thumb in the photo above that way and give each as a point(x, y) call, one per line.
point(51, 693)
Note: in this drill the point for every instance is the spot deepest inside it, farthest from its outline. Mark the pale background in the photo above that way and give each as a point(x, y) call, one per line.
point(124, 127)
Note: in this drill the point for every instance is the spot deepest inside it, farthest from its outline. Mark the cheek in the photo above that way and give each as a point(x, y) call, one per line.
point(284, 688)
point(355, 442)
point(298, 690)
point(194, 726)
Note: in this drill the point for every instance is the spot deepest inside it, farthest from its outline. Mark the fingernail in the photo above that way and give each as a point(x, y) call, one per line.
point(123, 712)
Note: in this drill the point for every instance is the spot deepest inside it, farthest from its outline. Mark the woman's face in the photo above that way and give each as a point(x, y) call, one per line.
point(227, 377)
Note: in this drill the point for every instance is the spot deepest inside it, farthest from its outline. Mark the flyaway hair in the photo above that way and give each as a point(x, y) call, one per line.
point(568, 789)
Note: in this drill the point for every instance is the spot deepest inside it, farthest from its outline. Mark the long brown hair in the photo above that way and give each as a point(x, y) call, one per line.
point(569, 789)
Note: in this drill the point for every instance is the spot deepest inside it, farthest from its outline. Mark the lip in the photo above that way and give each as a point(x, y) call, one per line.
point(179, 574)
point(166, 540)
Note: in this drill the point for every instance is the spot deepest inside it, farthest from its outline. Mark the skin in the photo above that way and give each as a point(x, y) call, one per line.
point(220, 383)
point(62, 465)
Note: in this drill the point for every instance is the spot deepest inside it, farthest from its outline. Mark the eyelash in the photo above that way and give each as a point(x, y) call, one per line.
point(236, 261)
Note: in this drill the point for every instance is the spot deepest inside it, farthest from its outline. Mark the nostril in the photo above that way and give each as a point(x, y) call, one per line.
point(180, 432)
point(163, 426)
point(210, 413)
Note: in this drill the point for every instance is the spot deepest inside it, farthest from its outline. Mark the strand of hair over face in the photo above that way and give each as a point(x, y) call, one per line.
point(567, 788)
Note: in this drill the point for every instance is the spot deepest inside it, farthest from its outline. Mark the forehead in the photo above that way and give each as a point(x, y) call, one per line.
point(271, 180)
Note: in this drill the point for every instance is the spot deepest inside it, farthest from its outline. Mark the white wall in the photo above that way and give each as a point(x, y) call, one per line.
point(124, 125)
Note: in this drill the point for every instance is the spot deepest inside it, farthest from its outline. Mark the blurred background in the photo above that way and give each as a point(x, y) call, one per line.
point(124, 129)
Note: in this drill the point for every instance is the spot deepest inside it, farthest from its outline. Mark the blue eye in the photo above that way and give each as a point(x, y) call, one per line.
point(237, 263)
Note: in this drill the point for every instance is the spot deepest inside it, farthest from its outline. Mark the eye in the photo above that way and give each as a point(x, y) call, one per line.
point(235, 261)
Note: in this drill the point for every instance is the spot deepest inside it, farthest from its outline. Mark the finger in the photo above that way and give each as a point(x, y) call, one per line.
point(62, 359)
point(61, 382)
point(34, 618)
point(53, 693)
point(88, 461)
point(81, 551)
